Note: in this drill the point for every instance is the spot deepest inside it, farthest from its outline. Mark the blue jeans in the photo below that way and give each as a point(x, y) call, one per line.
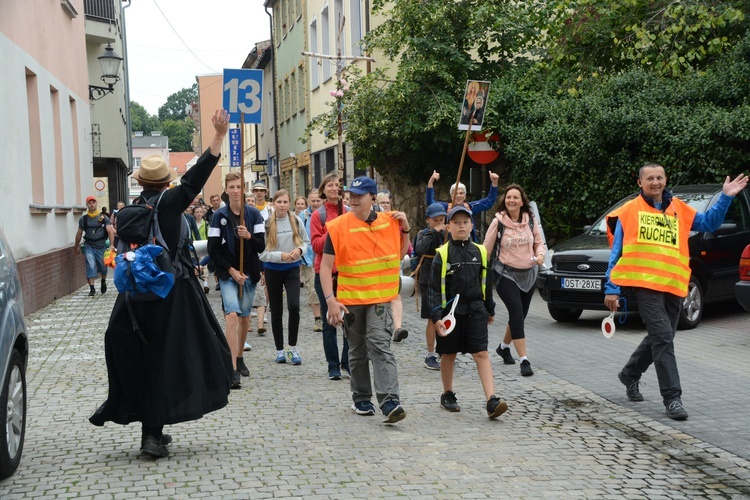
point(660, 312)
point(330, 346)
point(94, 262)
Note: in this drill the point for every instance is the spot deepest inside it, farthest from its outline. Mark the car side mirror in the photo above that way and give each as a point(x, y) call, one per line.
point(586, 228)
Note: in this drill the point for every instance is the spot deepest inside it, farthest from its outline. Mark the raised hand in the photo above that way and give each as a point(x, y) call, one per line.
point(734, 187)
point(435, 177)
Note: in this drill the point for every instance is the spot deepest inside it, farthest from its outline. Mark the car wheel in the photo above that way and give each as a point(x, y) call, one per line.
point(692, 306)
point(564, 315)
point(12, 416)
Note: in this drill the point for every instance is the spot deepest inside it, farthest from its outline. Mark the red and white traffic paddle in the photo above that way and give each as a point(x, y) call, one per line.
point(449, 321)
point(608, 325)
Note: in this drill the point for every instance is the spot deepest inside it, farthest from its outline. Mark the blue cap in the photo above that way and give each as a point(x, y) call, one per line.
point(457, 210)
point(435, 210)
point(363, 185)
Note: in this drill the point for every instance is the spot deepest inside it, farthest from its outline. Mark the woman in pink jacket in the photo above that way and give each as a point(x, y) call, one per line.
point(517, 256)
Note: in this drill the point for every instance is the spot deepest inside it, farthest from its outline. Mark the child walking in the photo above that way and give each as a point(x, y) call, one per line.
point(286, 242)
point(460, 269)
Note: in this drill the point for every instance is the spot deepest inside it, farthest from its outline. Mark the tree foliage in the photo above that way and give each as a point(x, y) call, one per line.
point(140, 120)
point(180, 133)
point(177, 103)
point(583, 93)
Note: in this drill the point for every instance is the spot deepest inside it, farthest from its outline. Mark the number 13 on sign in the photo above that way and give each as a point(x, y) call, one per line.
point(243, 93)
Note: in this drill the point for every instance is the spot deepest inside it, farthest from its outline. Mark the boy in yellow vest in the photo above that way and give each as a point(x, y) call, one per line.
point(459, 272)
point(367, 248)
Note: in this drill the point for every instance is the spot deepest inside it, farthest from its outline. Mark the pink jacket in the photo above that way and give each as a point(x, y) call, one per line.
point(519, 243)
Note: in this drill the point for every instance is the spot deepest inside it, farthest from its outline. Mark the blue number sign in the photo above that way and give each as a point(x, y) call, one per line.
point(243, 93)
point(235, 147)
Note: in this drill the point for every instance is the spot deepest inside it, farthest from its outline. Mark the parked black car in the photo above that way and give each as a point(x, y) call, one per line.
point(14, 352)
point(577, 276)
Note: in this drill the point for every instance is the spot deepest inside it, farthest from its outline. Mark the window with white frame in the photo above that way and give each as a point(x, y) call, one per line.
point(355, 13)
point(325, 46)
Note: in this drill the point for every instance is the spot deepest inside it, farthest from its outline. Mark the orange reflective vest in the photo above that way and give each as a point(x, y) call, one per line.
point(368, 258)
point(655, 252)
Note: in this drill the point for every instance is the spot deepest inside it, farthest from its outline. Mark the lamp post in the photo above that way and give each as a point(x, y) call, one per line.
point(110, 63)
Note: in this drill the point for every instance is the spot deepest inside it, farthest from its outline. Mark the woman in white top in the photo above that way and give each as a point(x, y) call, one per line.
point(286, 243)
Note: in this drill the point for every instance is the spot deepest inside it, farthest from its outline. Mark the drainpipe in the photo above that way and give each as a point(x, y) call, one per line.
point(273, 63)
point(127, 104)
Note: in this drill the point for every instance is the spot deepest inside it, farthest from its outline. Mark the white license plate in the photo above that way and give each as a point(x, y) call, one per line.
point(580, 284)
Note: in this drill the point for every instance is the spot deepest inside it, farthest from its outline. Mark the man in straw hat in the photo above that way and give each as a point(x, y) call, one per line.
point(181, 369)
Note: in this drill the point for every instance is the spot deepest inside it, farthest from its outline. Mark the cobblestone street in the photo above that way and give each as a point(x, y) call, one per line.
point(289, 432)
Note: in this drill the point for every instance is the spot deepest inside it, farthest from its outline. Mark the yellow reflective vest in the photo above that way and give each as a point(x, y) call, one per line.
point(443, 252)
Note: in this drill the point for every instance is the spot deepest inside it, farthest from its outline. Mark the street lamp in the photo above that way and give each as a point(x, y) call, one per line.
point(110, 63)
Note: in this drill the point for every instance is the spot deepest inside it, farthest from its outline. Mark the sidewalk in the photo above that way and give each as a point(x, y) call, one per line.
point(289, 432)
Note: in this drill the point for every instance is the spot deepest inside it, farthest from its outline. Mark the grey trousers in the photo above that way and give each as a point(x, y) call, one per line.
point(369, 336)
point(660, 312)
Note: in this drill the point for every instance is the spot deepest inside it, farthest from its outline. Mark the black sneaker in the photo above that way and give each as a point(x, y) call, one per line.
point(526, 370)
point(449, 402)
point(399, 335)
point(393, 411)
point(104, 287)
point(242, 367)
point(675, 411)
point(92, 291)
point(334, 374)
point(631, 387)
point(154, 447)
point(505, 354)
point(496, 407)
point(236, 380)
point(217, 287)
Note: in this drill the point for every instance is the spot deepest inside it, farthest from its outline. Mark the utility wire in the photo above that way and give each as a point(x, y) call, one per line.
point(183, 41)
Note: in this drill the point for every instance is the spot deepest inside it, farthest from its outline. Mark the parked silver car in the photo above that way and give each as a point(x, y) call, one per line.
point(14, 353)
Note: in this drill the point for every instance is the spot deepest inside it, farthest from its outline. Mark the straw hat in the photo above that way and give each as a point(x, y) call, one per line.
point(154, 170)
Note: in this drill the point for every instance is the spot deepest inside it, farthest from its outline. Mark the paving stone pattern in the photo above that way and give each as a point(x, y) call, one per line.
point(289, 432)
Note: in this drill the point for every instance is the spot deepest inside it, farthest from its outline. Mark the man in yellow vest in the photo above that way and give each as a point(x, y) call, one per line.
point(367, 248)
point(650, 254)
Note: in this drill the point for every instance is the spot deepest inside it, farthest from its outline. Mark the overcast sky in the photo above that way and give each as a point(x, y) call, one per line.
point(220, 34)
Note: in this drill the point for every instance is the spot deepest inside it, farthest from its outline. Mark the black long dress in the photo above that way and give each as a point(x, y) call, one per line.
point(185, 369)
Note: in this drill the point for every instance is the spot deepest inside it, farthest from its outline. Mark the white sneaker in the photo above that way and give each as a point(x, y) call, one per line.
point(248, 347)
point(253, 313)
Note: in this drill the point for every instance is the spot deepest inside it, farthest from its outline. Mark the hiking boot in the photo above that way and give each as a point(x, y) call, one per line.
point(505, 354)
point(165, 439)
point(280, 356)
point(675, 411)
point(496, 407)
point(104, 286)
point(92, 291)
point(526, 370)
point(154, 447)
point(449, 402)
point(631, 387)
point(242, 367)
point(236, 381)
point(399, 335)
point(318, 325)
point(393, 411)
point(334, 374)
point(365, 408)
point(431, 363)
point(294, 356)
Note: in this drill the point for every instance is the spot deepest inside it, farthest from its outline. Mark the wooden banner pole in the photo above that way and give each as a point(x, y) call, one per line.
point(242, 186)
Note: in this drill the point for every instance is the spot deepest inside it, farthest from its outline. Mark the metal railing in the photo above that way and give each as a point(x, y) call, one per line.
point(103, 10)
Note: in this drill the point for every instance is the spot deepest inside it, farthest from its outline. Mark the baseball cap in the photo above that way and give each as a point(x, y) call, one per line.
point(435, 210)
point(363, 185)
point(457, 210)
point(90, 198)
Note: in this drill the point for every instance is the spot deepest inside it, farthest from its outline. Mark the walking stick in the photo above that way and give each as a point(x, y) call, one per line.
point(242, 206)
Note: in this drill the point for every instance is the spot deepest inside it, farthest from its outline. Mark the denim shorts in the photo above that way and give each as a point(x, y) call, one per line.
point(94, 261)
point(231, 297)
